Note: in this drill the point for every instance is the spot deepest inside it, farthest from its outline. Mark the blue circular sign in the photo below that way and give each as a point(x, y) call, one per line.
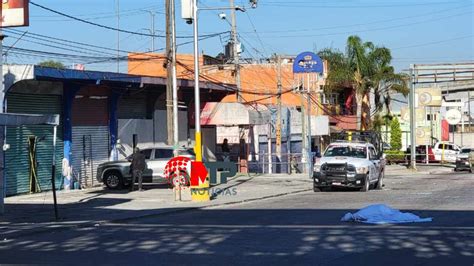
point(308, 62)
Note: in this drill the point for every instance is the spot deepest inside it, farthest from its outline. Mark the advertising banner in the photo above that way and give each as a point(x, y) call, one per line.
point(14, 13)
point(444, 130)
point(423, 136)
point(429, 97)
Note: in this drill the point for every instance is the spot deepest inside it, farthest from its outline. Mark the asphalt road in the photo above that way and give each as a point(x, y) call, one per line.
point(300, 229)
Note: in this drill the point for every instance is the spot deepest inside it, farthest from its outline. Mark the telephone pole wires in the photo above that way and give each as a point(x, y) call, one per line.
point(236, 50)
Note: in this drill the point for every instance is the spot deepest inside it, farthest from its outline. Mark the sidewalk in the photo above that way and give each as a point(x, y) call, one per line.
point(426, 169)
point(28, 214)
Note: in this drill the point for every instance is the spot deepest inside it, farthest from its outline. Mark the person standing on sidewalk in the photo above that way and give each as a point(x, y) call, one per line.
point(225, 150)
point(138, 166)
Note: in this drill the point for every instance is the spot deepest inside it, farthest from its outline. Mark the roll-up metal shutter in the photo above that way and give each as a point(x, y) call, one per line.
point(88, 111)
point(17, 165)
point(132, 107)
point(90, 147)
point(90, 136)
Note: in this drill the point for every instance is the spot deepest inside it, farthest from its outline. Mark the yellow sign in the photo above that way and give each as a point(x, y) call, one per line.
point(423, 136)
point(429, 96)
point(420, 115)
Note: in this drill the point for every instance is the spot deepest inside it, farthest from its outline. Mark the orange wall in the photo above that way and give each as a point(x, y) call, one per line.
point(256, 79)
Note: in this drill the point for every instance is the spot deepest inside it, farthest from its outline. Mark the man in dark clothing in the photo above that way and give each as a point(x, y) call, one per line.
point(138, 166)
point(225, 150)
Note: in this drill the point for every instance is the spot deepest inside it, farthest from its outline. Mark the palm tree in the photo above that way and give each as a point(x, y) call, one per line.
point(364, 67)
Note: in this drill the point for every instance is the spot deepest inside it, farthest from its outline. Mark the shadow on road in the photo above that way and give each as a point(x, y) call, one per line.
point(254, 236)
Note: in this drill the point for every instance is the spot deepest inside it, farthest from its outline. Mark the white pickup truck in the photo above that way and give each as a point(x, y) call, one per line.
point(349, 164)
point(446, 151)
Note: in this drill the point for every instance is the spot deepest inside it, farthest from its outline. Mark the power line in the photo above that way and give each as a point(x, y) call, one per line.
point(112, 28)
point(367, 23)
point(107, 13)
point(369, 30)
point(300, 4)
point(431, 43)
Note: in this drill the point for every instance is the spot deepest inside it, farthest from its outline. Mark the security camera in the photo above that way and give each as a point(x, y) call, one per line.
point(189, 21)
point(222, 16)
point(253, 3)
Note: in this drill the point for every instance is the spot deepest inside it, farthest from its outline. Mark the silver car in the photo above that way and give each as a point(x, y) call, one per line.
point(117, 174)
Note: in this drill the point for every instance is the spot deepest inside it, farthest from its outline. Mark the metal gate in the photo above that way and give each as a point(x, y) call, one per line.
point(17, 159)
point(90, 147)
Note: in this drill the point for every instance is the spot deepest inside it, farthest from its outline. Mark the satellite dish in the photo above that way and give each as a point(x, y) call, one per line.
point(453, 116)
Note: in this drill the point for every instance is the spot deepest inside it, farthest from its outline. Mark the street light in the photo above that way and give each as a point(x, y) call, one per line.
point(189, 12)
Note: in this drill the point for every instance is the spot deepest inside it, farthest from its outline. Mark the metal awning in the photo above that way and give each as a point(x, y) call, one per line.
point(234, 114)
point(10, 119)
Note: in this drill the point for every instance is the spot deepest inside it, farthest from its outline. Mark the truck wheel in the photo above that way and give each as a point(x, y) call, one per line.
point(113, 180)
point(379, 184)
point(366, 186)
point(316, 189)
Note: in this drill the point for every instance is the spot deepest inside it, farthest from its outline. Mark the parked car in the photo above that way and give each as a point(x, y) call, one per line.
point(386, 146)
point(117, 174)
point(420, 154)
point(349, 164)
point(465, 160)
point(446, 151)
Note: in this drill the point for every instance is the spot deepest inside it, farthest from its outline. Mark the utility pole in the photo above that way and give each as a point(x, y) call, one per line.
point(235, 48)
point(169, 75)
point(412, 118)
point(174, 79)
point(118, 34)
point(197, 91)
point(152, 31)
point(304, 150)
point(469, 108)
point(308, 93)
point(2, 130)
point(278, 123)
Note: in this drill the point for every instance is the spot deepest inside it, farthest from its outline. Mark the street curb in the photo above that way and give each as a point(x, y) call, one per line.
point(86, 224)
point(206, 207)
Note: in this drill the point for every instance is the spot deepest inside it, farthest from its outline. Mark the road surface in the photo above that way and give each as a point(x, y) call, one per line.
point(298, 229)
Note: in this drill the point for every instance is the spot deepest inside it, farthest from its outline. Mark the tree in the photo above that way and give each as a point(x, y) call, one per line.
point(52, 63)
point(365, 68)
point(395, 135)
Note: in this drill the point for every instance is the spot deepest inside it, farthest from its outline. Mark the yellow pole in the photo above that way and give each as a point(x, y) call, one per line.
point(442, 153)
point(200, 192)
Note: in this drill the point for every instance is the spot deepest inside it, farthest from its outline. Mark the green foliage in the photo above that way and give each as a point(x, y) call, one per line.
point(377, 123)
point(393, 156)
point(395, 135)
point(364, 67)
point(52, 63)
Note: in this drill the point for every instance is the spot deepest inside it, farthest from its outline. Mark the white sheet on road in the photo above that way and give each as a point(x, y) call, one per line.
point(382, 214)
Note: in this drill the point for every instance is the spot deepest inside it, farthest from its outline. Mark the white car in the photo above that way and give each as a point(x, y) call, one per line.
point(116, 174)
point(349, 164)
point(446, 151)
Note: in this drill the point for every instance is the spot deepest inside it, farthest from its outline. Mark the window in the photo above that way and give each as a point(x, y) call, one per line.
point(147, 154)
point(187, 152)
point(330, 98)
point(373, 153)
point(163, 153)
point(349, 151)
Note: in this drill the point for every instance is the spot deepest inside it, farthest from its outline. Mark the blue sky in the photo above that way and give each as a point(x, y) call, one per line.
point(417, 31)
